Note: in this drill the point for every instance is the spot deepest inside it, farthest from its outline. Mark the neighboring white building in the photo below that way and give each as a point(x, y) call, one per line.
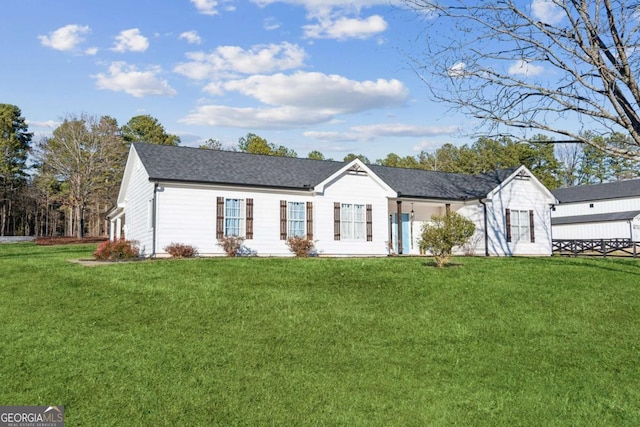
point(195, 196)
point(601, 211)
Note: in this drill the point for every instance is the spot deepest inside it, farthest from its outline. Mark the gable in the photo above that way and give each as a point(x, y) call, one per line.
point(520, 183)
point(355, 174)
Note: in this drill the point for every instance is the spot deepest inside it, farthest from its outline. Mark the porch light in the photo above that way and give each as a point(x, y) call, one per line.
point(412, 213)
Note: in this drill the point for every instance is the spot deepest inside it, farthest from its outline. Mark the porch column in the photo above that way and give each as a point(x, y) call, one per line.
point(447, 208)
point(118, 228)
point(112, 228)
point(399, 219)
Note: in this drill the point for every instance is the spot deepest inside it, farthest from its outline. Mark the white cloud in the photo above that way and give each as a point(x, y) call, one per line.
point(65, 38)
point(371, 132)
point(131, 40)
point(252, 118)
point(338, 19)
point(346, 28)
point(457, 70)
point(50, 124)
point(210, 7)
point(319, 4)
point(191, 37)
point(546, 11)
point(321, 92)
point(524, 68)
point(231, 60)
point(271, 24)
point(297, 100)
point(404, 130)
point(91, 51)
point(127, 78)
point(427, 146)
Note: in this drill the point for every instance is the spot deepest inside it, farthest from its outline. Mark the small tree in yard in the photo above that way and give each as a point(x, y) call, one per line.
point(444, 233)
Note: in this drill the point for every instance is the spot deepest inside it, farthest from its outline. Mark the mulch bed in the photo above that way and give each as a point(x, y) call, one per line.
point(68, 240)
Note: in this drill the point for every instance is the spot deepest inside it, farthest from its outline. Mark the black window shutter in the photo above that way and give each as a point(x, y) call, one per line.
point(249, 207)
point(369, 224)
point(532, 228)
point(220, 218)
point(336, 221)
point(507, 214)
point(309, 220)
point(283, 220)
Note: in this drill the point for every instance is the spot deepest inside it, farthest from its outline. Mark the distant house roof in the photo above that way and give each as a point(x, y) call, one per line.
point(610, 190)
point(604, 217)
point(184, 164)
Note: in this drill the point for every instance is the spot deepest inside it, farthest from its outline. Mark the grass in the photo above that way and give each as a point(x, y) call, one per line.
point(346, 342)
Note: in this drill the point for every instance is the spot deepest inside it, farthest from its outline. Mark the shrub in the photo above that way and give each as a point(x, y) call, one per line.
point(117, 250)
point(444, 233)
point(300, 246)
point(231, 244)
point(180, 250)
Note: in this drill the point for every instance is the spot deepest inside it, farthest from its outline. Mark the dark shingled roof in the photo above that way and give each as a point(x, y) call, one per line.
point(184, 164)
point(610, 190)
point(187, 164)
point(440, 185)
point(581, 219)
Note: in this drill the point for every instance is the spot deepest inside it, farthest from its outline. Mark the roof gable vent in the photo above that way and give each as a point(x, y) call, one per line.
point(356, 169)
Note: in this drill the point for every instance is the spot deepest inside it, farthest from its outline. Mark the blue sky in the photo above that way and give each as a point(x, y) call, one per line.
point(327, 75)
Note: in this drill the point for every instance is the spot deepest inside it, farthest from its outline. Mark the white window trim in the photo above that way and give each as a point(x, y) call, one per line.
point(242, 229)
point(349, 223)
point(302, 220)
point(520, 226)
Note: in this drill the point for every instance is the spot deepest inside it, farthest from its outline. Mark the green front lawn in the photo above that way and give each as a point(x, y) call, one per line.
point(296, 342)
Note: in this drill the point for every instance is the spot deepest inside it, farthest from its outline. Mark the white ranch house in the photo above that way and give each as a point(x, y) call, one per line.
point(196, 196)
point(601, 211)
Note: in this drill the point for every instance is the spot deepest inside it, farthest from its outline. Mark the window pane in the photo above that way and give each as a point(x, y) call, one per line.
point(352, 221)
point(234, 217)
point(520, 226)
point(359, 222)
point(296, 213)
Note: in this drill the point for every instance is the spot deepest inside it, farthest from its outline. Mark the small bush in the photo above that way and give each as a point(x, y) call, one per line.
point(300, 246)
point(231, 244)
point(180, 250)
point(444, 233)
point(117, 250)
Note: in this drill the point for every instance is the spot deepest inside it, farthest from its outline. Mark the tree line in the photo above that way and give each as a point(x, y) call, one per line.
point(65, 183)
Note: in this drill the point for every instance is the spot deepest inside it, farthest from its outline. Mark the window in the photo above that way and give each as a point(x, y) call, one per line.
point(296, 219)
point(352, 221)
point(519, 226)
point(234, 217)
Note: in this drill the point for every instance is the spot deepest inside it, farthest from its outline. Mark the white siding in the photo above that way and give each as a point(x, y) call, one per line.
point(599, 207)
point(597, 230)
point(187, 214)
point(357, 189)
point(594, 230)
point(526, 195)
point(138, 199)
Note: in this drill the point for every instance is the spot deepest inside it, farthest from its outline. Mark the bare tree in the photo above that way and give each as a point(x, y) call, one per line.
point(85, 155)
point(538, 64)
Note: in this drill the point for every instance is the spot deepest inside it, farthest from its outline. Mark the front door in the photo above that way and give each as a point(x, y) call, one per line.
point(406, 233)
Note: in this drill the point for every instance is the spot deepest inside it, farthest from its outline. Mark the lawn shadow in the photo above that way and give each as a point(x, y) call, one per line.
point(433, 264)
